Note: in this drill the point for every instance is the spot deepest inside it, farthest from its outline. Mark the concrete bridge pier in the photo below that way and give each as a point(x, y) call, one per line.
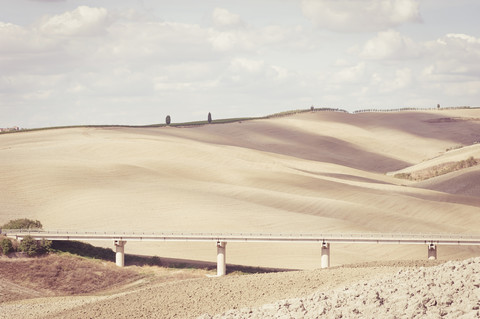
point(325, 259)
point(221, 258)
point(432, 251)
point(120, 252)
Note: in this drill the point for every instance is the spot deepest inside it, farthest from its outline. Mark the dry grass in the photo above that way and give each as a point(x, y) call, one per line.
point(438, 170)
point(65, 275)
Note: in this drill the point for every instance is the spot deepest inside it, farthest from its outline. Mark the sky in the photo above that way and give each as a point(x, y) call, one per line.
point(70, 62)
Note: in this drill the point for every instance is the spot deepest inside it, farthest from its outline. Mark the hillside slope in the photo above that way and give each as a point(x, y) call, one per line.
point(311, 173)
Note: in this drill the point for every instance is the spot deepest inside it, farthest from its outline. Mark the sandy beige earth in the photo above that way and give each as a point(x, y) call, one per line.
point(188, 294)
point(451, 290)
point(316, 172)
point(306, 173)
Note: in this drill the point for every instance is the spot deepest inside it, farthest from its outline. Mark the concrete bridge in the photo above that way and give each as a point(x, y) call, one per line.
point(431, 241)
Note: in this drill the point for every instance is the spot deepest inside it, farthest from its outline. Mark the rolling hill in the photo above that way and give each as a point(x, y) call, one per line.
point(312, 172)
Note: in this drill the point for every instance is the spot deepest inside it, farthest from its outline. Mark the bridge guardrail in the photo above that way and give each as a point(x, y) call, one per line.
point(250, 236)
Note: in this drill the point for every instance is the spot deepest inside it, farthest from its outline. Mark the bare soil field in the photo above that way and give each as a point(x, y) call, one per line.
point(172, 293)
point(451, 290)
point(305, 173)
point(413, 289)
point(316, 172)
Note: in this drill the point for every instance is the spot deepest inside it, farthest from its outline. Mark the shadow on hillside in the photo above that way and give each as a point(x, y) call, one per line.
point(83, 249)
point(274, 138)
point(139, 260)
point(439, 126)
point(107, 254)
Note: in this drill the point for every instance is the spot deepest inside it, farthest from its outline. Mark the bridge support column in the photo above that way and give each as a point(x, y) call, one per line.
point(432, 252)
point(120, 252)
point(325, 261)
point(221, 258)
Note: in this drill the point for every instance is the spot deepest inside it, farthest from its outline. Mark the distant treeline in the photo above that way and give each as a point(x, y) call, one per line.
point(312, 109)
point(372, 110)
point(411, 109)
point(232, 120)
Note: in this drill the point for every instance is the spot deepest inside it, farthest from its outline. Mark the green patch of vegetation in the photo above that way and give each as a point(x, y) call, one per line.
point(23, 223)
point(28, 246)
point(32, 247)
point(6, 245)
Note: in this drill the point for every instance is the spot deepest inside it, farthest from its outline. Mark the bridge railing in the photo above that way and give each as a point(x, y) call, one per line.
point(338, 237)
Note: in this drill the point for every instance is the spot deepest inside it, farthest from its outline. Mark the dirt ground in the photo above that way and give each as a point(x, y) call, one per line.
point(311, 173)
point(192, 297)
point(451, 290)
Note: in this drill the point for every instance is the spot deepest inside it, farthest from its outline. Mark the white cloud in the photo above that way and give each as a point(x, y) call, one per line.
point(147, 43)
point(350, 74)
point(84, 21)
point(449, 64)
point(463, 37)
point(254, 39)
point(126, 65)
point(401, 79)
point(360, 15)
point(279, 73)
point(91, 58)
point(18, 39)
point(468, 88)
point(224, 18)
point(230, 40)
point(455, 54)
point(246, 65)
point(390, 45)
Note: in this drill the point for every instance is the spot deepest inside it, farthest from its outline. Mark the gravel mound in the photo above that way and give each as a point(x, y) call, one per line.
point(450, 290)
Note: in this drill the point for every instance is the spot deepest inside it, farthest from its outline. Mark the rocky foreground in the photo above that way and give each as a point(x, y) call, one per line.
point(409, 289)
point(451, 290)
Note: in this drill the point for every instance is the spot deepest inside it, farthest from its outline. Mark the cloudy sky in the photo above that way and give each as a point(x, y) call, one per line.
point(65, 62)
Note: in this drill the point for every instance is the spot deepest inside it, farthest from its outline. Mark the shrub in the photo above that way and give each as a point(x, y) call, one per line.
point(6, 245)
point(29, 246)
point(403, 176)
point(45, 246)
point(22, 223)
point(471, 161)
point(168, 120)
point(155, 261)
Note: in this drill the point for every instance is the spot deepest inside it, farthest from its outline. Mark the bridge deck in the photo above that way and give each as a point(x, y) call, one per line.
point(365, 238)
